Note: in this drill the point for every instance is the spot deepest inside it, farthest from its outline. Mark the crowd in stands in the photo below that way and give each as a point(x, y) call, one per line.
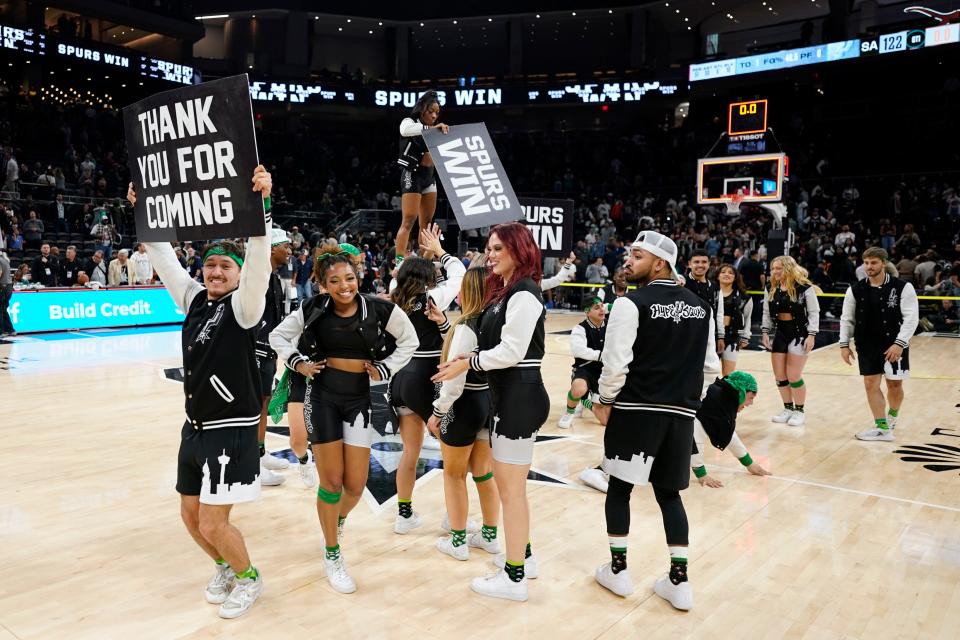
point(63, 187)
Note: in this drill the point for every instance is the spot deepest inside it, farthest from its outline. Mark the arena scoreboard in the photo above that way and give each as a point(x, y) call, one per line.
point(745, 118)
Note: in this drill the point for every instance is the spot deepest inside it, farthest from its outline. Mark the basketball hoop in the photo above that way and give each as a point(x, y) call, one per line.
point(733, 204)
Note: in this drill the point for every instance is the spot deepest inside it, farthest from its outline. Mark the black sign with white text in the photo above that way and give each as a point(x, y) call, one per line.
point(551, 222)
point(473, 178)
point(192, 152)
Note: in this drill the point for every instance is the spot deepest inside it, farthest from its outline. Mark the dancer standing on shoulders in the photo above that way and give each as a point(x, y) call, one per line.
point(659, 342)
point(334, 340)
point(880, 313)
point(418, 184)
point(411, 391)
point(461, 420)
point(792, 310)
point(218, 442)
point(510, 349)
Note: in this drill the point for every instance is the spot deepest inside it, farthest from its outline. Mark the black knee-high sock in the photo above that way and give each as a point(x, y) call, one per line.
point(676, 528)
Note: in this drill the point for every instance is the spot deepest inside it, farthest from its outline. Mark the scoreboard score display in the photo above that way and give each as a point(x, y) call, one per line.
point(745, 118)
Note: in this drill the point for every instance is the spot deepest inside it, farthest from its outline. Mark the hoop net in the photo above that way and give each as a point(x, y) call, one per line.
point(733, 205)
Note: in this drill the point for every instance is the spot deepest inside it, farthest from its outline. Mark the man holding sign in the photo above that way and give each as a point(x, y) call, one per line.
point(190, 145)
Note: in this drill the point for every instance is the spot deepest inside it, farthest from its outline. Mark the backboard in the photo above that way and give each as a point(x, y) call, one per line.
point(752, 178)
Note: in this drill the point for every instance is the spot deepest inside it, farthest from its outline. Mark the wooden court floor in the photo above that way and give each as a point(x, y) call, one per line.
point(845, 540)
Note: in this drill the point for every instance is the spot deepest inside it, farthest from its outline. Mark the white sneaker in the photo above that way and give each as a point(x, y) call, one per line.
point(269, 478)
point(783, 416)
point(498, 585)
point(445, 545)
point(220, 584)
point(477, 541)
point(619, 583)
point(430, 443)
point(530, 568)
point(797, 419)
point(241, 598)
point(338, 577)
point(882, 435)
point(566, 420)
point(273, 462)
point(595, 479)
point(308, 473)
point(892, 421)
point(679, 595)
point(404, 526)
point(472, 526)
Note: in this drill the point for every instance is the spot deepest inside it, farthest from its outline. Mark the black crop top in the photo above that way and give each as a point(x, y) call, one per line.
point(338, 337)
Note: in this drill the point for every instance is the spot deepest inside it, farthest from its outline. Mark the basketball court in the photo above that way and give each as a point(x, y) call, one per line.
point(846, 539)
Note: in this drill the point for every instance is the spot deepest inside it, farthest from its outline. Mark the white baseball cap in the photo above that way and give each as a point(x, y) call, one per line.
point(278, 236)
point(659, 245)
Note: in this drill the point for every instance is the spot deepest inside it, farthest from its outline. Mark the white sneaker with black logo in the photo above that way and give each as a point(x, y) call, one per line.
point(499, 585)
point(220, 584)
point(619, 583)
point(783, 416)
point(241, 598)
point(530, 567)
point(875, 434)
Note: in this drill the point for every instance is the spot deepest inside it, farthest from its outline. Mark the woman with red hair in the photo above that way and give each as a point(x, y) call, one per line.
point(510, 350)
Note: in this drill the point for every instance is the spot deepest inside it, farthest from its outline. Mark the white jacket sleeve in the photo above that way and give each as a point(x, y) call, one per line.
point(402, 330)
point(464, 340)
point(523, 313)
point(284, 339)
point(736, 446)
point(566, 272)
point(183, 289)
point(848, 318)
point(721, 330)
point(445, 292)
point(711, 361)
point(621, 333)
point(578, 345)
point(410, 128)
point(910, 312)
point(813, 311)
point(249, 300)
point(747, 330)
point(699, 440)
point(765, 323)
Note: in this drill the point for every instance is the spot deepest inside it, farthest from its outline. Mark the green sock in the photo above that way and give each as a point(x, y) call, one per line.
point(528, 552)
point(489, 533)
point(459, 537)
point(340, 520)
point(893, 412)
point(250, 574)
point(881, 423)
point(571, 409)
point(304, 459)
point(586, 402)
point(798, 407)
point(220, 561)
point(788, 406)
point(263, 448)
point(332, 553)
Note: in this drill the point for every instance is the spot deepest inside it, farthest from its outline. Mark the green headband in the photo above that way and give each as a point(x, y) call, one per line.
point(742, 382)
point(346, 247)
point(220, 251)
point(589, 303)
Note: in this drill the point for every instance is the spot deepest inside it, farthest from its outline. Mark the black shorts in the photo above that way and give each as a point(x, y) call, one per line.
point(873, 362)
point(520, 407)
point(222, 466)
point(789, 343)
point(268, 369)
point(337, 407)
point(412, 391)
point(421, 180)
point(298, 387)
point(590, 375)
point(468, 420)
point(641, 447)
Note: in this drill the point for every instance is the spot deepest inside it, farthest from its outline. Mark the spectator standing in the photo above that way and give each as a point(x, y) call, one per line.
point(13, 172)
point(142, 265)
point(33, 231)
point(46, 267)
point(303, 270)
point(104, 232)
point(60, 214)
point(69, 268)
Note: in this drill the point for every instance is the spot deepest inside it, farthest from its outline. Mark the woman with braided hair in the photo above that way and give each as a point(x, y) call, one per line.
point(333, 342)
